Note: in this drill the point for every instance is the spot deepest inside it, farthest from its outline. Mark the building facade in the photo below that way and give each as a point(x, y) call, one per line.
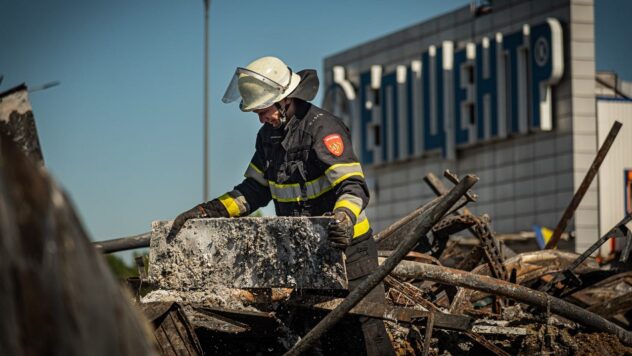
point(504, 90)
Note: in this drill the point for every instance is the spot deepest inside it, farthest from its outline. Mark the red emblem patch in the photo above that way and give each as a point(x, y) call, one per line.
point(334, 144)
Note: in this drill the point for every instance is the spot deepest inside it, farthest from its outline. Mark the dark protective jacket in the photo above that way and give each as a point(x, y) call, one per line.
point(307, 167)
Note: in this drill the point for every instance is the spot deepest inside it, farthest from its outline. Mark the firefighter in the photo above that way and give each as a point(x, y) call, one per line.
point(305, 163)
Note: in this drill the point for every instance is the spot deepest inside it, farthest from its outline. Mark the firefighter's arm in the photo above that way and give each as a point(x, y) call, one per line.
point(344, 173)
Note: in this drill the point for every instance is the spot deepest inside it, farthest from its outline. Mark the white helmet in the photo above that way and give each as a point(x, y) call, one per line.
point(262, 83)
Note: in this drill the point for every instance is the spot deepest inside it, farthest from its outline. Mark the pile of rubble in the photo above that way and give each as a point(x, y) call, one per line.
point(441, 298)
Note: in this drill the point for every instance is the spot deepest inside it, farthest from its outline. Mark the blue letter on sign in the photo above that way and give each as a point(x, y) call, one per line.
point(434, 134)
point(365, 118)
point(547, 68)
point(389, 132)
point(486, 87)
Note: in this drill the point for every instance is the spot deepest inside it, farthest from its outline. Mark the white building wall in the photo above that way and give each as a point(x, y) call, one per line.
point(584, 128)
point(619, 158)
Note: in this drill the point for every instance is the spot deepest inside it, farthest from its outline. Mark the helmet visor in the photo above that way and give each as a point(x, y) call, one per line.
point(255, 90)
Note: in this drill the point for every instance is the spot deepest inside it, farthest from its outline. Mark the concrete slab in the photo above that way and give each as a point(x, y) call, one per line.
point(247, 252)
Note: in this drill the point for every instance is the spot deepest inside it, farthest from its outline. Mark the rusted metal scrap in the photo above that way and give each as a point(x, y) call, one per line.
point(479, 227)
point(391, 313)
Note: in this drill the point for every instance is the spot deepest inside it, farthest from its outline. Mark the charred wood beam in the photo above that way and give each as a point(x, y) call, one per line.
point(172, 329)
point(123, 243)
point(408, 269)
point(428, 334)
point(529, 266)
point(395, 314)
point(583, 187)
point(487, 344)
point(614, 306)
point(410, 292)
point(18, 123)
point(428, 219)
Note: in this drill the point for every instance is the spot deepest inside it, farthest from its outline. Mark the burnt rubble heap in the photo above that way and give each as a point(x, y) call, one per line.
point(236, 282)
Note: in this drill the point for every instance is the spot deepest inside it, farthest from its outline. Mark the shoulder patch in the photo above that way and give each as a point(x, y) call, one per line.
point(334, 144)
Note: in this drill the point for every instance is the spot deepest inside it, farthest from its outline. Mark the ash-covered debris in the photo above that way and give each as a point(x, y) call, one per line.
point(217, 296)
point(246, 253)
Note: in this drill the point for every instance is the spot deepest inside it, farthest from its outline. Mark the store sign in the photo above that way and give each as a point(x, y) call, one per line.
point(447, 98)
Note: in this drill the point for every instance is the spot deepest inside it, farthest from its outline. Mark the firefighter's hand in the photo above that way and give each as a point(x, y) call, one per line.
point(340, 230)
point(194, 213)
point(210, 209)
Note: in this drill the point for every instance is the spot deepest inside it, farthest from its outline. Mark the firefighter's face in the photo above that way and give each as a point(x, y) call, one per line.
point(269, 115)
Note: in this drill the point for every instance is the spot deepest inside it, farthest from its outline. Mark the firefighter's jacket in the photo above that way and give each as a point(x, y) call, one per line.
point(307, 167)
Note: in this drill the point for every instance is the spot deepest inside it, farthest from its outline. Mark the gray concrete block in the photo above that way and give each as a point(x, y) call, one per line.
point(544, 145)
point(504, 210)
point(503, 155)
point(546, 202)
point(504, 191)
point(524, 206)
point(504, 225)
point(564, 144)
point(544, 184)
point(524, 170)
point(547, 218)
point(524, 188)
point(524, 152)
point(545, 166)
point(246, 253)
point(504, 174)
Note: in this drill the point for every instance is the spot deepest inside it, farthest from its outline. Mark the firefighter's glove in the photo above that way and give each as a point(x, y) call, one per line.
point(340, 230)
point(211, 209)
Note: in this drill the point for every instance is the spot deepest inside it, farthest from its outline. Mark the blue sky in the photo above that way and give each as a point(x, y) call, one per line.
point(123, 132)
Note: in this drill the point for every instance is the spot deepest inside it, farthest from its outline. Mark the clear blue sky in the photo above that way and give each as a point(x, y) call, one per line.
point(123, 132)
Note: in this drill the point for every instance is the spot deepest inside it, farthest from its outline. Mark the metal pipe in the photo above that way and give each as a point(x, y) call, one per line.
point(583, 187)
point(207, 6)
point(428, 219)
point(455, 277)
point(123, 243)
